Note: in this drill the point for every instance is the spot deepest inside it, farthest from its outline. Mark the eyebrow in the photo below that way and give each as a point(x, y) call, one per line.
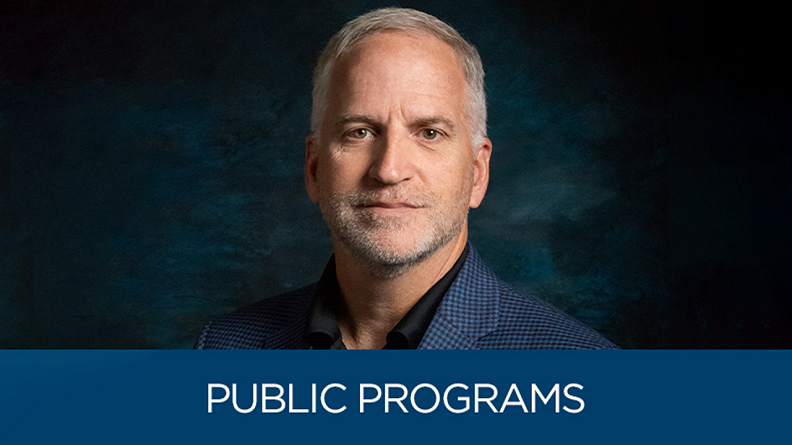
point(345, 120)
point(435, 120)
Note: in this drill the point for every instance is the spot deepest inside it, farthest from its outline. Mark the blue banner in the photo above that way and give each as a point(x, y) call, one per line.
point(393, 396)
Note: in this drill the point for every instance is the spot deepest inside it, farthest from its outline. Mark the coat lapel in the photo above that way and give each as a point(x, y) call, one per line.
point(469, 310)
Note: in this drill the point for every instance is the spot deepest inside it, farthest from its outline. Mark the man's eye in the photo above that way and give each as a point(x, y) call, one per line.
point(360, 133)
point(428, 133)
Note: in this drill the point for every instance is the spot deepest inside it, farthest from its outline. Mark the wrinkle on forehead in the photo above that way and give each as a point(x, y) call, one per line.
point(397, 74)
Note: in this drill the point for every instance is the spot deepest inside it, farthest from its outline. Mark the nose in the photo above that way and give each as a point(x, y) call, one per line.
point(392, 162)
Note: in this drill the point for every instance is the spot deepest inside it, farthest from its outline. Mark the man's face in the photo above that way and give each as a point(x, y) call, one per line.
point(393, 169)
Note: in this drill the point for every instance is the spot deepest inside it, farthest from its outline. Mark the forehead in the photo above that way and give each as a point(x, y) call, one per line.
point(398, 67)
point(412, 42)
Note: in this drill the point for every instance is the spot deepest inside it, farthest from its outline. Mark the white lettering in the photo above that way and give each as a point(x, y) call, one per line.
point(465, 399)
point(436, 402)
point(324, 403)
point(313, 397)
point(273, 398)
point(398, 400)
point(265, 397)
point(488, 400)
point(571, 397)
point(234, 399)
point(535, 391)
point(213, 400)
point(519, 402)
point(292, 409)
point(363, 399)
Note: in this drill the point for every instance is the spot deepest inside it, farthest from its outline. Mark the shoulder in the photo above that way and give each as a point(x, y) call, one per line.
point(273, 323)
point(482, 312)
point(527, 322)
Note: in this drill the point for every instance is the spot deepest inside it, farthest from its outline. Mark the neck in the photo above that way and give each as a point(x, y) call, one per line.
point(373, 304)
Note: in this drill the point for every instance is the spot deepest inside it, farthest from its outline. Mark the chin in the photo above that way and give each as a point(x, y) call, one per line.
point(398, 249)
point(394, 249)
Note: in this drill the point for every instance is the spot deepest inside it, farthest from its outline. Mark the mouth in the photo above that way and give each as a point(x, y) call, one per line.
point(390, 205)
point(388, 208)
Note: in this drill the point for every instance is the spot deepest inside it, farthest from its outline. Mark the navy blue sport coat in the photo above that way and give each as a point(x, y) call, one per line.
point(478, 311)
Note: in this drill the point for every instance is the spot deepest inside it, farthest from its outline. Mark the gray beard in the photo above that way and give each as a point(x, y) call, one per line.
point(358, 228)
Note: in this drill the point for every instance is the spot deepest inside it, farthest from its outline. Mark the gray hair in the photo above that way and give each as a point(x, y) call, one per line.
point(408, 20)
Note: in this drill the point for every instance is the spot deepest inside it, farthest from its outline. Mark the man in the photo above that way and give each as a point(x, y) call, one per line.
point(397, 155)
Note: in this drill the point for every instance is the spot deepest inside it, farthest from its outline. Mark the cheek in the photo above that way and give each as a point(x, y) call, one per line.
point(455, 172)
point(339, 173)
point(452, 183)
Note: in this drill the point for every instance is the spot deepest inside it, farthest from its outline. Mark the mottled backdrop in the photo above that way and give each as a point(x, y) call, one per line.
point(151, 165)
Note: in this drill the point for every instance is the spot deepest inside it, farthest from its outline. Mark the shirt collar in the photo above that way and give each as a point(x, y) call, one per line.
point(321, 331)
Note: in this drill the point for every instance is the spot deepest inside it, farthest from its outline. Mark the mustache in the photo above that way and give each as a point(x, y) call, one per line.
point(365, 198)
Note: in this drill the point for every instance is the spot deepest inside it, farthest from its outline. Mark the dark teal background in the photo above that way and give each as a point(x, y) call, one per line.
point(151, 165)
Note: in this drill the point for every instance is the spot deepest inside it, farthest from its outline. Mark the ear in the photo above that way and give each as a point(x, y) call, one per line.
point(311, 165)
point(480, 172)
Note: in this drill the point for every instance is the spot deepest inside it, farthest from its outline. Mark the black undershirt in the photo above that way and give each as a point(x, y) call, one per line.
point(322, 331)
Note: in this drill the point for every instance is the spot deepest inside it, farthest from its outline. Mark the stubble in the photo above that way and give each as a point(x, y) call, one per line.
point(368, 236)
